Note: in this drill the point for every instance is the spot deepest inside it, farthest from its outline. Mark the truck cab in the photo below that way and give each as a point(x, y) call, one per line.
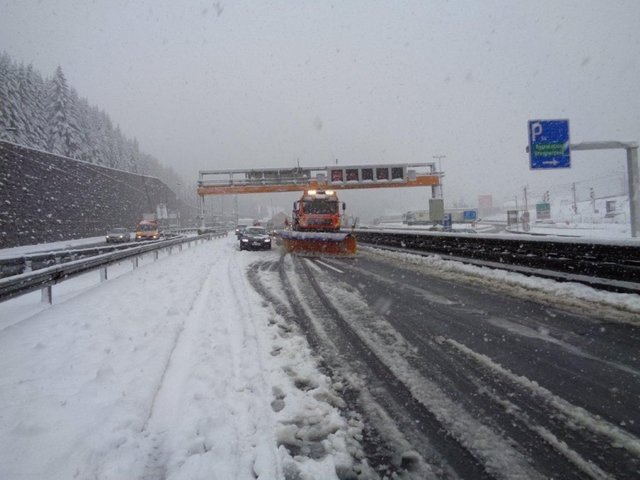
point(147, 230)
point(317, 210)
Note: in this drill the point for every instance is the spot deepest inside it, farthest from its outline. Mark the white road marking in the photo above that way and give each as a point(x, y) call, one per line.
point(329, 266)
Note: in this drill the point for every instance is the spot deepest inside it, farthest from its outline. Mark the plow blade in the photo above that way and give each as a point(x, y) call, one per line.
point(318, 243)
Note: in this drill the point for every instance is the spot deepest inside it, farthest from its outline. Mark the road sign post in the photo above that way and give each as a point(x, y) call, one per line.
point(633, 174)
point(536, 132)
point(549, 144)
point(447, 222)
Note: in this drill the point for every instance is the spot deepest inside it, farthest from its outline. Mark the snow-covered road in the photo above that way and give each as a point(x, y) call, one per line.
point(176, 370)
point(199, 365)
point(480, 378)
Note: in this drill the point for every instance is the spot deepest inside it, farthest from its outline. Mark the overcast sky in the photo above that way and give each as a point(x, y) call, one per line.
point(249, 84)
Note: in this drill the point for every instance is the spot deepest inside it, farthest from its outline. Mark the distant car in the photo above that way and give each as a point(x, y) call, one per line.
point(255, 238)
point(118, 235)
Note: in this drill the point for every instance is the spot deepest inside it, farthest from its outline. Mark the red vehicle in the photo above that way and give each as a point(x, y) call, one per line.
point(147, 230)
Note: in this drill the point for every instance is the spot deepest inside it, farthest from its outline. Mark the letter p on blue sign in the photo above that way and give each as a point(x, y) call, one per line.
point(549, 144)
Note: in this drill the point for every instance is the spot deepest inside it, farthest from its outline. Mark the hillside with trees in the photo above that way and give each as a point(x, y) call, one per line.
point(48, 114)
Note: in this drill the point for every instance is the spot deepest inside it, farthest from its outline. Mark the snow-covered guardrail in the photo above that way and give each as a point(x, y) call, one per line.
point(34, 261)
point(44, 278)
point(617, 262)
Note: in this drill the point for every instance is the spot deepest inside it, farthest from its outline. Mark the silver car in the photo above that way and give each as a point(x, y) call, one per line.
point(118, 235)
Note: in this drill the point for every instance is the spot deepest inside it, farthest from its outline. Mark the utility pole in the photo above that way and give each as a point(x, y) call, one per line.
point(439, 158)
point(526, 203)
point(575, 201)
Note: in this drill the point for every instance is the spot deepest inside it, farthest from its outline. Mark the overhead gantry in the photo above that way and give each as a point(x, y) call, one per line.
point(335, 177)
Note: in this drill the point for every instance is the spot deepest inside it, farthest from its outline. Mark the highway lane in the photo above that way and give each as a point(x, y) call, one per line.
point(501, 382)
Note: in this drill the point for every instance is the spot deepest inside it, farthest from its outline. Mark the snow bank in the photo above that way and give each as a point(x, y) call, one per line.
point(624, 307)
point(177, 369)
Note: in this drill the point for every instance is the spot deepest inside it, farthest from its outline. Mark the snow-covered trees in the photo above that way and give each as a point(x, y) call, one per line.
point(31, 90)
point(10, 110)
point(48, 114)
point(63, 133)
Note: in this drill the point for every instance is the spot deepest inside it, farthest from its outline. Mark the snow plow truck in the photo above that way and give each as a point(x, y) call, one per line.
point(315, 226)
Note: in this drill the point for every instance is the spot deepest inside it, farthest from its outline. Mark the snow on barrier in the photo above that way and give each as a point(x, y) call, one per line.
point(611, 266)
point(44, 278)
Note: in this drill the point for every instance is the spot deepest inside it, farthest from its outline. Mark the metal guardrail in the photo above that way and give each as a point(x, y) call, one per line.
point(44, 278)
point(619, 263)
point(571, 259)
point(34, 261)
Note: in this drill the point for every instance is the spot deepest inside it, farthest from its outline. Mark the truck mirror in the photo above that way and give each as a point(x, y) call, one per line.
point(344, 206)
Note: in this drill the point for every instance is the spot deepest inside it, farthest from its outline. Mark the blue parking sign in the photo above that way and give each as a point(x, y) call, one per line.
point(470, 215)
point(549, 144)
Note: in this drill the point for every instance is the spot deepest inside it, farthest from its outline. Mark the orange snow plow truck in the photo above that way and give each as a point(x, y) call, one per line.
point(315, 227)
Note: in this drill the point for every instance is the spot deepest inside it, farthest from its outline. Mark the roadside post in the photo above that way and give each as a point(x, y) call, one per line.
point(447, 222)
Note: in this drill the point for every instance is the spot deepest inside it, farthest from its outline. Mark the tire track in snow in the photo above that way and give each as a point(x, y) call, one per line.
point(248, 341)
point(165, 402)
point(389, 392)
point(233, 428)
point(369, 452)
point(156, 469)
point(556, 423)
point(572, 416)
point(457, 379)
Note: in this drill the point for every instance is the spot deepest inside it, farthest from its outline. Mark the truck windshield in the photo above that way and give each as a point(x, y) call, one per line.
point(320, 207)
